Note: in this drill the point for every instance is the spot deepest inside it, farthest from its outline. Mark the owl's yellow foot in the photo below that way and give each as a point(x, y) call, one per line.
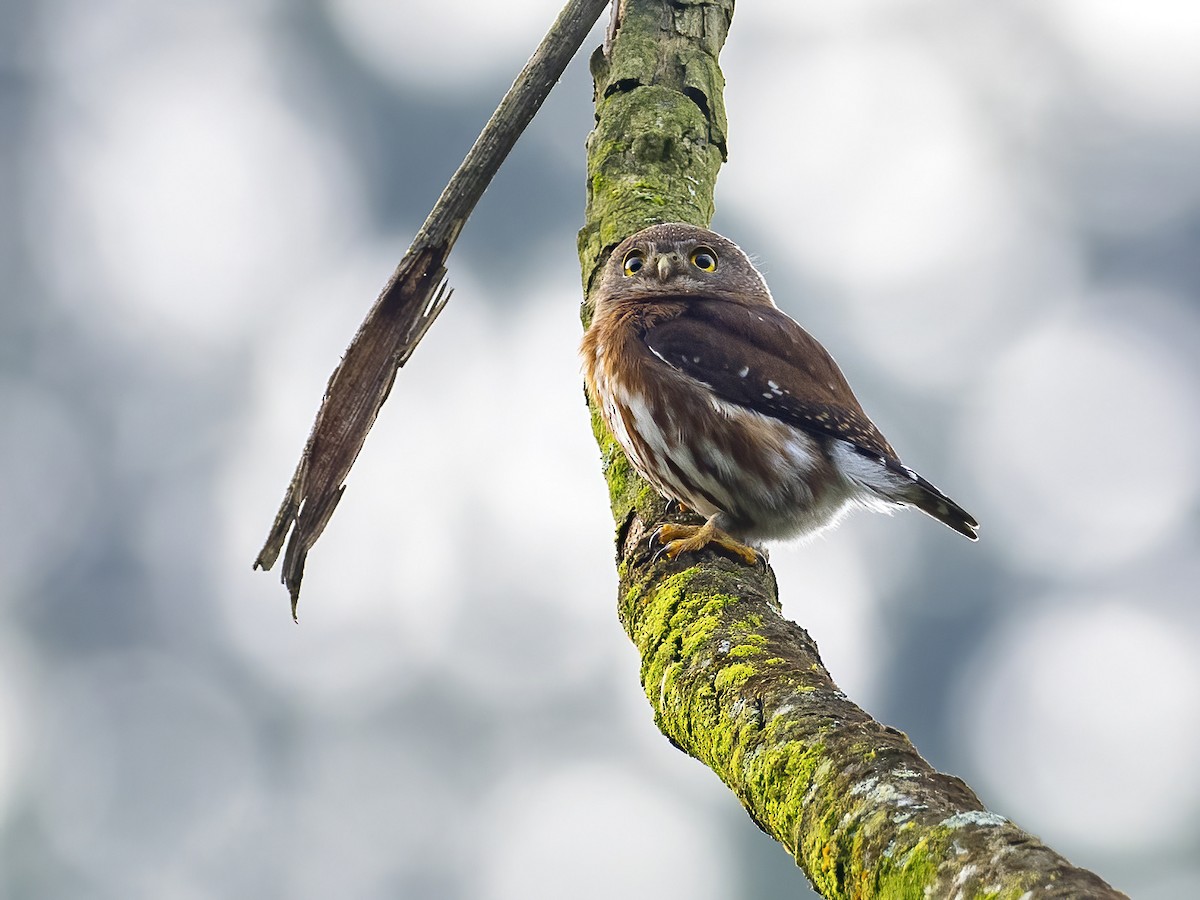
point(678, 539)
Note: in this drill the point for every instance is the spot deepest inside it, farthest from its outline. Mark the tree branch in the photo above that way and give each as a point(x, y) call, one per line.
point(731, 681)
point(407, 307)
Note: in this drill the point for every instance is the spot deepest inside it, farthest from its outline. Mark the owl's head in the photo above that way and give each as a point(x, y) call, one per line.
point(677, 260)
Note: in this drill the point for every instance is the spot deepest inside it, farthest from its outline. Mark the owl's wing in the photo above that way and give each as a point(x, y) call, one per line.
point(759, 358)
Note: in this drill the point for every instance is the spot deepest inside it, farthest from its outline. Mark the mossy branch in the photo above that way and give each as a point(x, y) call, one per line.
point(731, 681)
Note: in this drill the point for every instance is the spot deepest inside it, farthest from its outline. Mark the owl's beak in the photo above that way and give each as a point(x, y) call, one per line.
point(666, 264)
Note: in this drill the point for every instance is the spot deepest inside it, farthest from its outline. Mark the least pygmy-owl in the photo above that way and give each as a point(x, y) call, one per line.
point(724, 403)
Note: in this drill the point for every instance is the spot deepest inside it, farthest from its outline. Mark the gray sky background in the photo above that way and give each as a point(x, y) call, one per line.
point(989, 213)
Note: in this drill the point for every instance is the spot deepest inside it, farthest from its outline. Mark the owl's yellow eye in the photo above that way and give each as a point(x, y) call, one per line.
point(634, 260)
point(704, 258)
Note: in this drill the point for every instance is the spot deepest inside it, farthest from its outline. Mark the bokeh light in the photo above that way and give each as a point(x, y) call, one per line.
point(1087, 711)
point(544, 831)
point(1141, 59)
point(832, 596)
point(143, 766)
point(440, 47)
point(1073, 478)
point(15, 669)
point(48, 496)
point(163, 204)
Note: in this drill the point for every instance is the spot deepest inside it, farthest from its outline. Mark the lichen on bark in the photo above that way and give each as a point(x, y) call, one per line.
point(731, 682)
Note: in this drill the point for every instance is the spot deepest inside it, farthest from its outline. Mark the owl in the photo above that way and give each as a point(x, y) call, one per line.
point(725, 404)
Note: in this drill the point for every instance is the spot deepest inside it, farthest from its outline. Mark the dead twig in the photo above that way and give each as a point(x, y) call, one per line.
point(407, 307)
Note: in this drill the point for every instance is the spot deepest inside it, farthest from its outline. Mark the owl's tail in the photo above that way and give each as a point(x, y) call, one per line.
point(927, 498)
point(895, 484)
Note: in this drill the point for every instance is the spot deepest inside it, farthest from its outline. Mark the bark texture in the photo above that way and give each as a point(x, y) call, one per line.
point(731, 681)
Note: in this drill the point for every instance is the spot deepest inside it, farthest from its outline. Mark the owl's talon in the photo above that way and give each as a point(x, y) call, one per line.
point(656, 555)
point(677, 539)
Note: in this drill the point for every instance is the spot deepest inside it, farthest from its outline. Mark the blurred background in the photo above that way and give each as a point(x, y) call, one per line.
point(988, 212)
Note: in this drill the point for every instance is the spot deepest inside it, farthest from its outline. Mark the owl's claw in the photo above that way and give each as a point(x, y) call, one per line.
point(677, 539)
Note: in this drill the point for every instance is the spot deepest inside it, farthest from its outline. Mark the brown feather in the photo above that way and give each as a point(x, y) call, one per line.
point(787, 374)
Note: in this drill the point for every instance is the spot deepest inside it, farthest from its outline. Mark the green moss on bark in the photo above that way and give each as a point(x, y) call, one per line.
point(628, 492)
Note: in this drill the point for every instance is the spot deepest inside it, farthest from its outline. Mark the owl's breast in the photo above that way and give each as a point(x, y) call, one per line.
point(767, 478)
